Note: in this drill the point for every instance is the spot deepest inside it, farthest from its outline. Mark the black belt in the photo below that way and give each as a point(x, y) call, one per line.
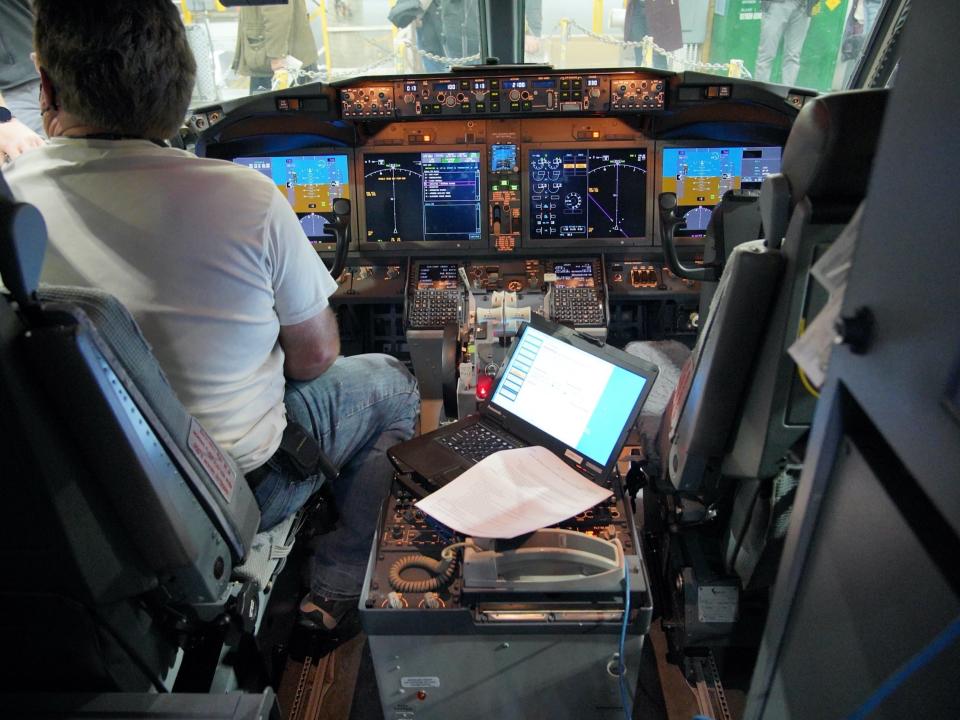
point(300, 454)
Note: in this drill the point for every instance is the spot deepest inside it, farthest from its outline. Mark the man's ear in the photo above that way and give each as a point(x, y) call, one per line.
point(48, 93)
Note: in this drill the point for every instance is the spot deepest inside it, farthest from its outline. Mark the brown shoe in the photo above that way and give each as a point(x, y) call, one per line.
point(324, 613)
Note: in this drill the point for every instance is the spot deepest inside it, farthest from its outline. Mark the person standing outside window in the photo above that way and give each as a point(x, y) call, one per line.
point(787, 20)
point(267, 35)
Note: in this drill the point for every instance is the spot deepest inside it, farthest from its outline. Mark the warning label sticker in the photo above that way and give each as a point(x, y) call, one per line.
point(420, 682)
point(212, 459)
point(718, 603)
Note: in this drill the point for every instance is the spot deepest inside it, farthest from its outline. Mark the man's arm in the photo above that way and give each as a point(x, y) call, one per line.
point(16, 138)
point(310, 347)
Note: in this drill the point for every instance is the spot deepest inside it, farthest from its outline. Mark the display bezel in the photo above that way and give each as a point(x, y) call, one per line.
point(482, 244)
point(322, 246)
point(695, 242)
point(580, 243)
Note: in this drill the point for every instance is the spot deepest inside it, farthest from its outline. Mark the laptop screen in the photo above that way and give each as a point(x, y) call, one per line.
point(582, 400)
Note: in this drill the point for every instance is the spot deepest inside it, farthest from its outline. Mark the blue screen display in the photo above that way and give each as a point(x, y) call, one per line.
point(578, 398)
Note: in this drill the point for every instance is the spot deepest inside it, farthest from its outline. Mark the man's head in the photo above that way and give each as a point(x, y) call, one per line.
point(120, 66)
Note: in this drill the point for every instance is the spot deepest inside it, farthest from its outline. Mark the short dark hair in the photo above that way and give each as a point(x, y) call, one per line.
point(120, 65)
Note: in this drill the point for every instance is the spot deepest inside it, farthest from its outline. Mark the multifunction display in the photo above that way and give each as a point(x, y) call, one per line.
point(309, 182)
point(433, 196)
point(587, 193)
point(437, 277)
point(700, 177)
point(575, 274)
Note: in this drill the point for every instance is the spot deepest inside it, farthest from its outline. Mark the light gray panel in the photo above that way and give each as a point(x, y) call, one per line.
point(906, 262)
point(507, 677)
point(871, 598)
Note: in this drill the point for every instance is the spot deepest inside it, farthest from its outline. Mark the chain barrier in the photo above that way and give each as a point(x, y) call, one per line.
point(466, 60)
point(734, 68)
point(738, 68)
point(384, 60)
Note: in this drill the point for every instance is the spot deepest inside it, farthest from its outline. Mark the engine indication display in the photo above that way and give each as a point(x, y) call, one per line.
point(309, 182)
point(700, 177)
point(587, 193)
point(432, 196)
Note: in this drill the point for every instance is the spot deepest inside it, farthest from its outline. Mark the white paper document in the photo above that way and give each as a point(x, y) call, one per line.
point(512, 492)
point(811, 351)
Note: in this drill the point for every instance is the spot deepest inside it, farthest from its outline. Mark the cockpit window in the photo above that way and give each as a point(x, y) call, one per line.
point(804, 43)
point(243, 51)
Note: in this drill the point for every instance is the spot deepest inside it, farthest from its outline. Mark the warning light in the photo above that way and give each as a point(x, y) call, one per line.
point(426, 138)
point(484, 386)
point(596, 134)
point(421, 695)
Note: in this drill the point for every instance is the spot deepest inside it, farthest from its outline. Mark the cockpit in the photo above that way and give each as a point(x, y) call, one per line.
point(668, 277)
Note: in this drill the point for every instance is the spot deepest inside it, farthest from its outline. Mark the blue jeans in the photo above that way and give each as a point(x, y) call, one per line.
point(357, 409)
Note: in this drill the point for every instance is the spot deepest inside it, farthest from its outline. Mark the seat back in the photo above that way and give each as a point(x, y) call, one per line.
point(123, 519)
point(825, 171)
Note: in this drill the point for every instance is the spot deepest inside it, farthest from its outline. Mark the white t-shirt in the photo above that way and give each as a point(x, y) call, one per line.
point(209, 258)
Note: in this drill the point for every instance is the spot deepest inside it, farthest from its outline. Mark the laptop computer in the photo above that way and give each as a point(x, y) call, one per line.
point(567, 392)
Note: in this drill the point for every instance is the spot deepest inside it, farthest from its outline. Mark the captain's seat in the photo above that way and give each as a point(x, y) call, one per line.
point(125, 528)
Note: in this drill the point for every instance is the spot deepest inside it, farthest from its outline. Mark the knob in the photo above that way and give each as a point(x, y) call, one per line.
point(451, 101)
point(514, 95)
point(855, 331)
point(594, 92)
point(409, 98)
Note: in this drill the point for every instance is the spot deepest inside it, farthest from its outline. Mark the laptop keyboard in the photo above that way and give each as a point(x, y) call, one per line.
point(475, 442)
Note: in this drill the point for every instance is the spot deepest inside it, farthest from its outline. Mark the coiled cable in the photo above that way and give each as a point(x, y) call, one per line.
point(442, 570)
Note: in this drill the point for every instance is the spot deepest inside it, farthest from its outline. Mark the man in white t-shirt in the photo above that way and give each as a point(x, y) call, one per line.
point(213, 264)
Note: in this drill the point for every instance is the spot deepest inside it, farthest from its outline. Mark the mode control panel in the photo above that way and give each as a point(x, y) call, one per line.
point(436, 295)
point(505, 95)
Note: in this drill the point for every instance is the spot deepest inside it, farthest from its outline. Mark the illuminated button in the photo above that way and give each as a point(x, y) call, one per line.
point(480, 107)
point(494, 84)
point(527, 105)
point(484, 386)
point(465, 107)
point(514, 107)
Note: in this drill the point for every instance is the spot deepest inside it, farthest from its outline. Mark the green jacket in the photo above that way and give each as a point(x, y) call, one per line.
point(273, 31)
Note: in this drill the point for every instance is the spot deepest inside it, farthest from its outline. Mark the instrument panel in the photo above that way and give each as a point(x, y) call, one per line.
point(496, 161)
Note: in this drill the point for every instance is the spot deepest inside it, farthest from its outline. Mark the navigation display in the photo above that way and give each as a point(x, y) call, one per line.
point(433, 196)
point(309, 182)
point(437, 277)
point(700, 177)
point(588, 193)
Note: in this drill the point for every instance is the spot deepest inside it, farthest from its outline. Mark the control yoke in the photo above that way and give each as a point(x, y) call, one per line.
point(669, 222)
point(338, 225)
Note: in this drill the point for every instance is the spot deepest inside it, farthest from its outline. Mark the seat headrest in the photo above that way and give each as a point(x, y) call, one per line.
point(23, 243)
point(830, 151)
